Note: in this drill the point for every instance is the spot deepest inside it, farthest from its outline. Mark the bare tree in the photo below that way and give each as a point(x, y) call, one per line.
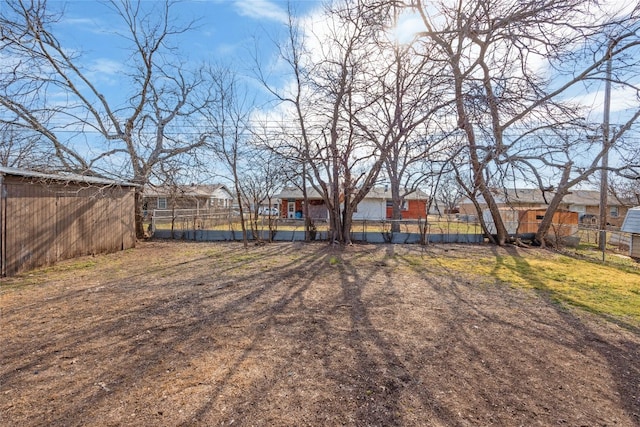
point(334, 71)
point(490, 49)
point(228, 123)
point(21, 149)
point(126, 140)
point(626, 191)
point(292, 143)
point(447, 192)
point(409, 99)
point(260, 178)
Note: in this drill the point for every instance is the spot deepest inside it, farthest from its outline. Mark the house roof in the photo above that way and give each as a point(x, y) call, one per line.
point(296, 193)
point(374, 193)
point(535, 196)
point(385, 193)
point(198, 191)
point(63, 177)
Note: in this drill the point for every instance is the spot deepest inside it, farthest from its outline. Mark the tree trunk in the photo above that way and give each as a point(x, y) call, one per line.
point(396, 209)
point(347, 220)
point(547, 220)
point(502, 234)
point(305, 206)
point(543, 228)
point(242, 223)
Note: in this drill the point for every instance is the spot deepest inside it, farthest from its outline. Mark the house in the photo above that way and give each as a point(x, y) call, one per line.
point(631, 225)
point(292, 201)
point(376, 205)
point(196, 198)
point(45, 218)
point(586, 203)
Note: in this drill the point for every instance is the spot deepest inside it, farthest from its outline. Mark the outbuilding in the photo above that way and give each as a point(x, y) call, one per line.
point(631, 225)
point(45, 218)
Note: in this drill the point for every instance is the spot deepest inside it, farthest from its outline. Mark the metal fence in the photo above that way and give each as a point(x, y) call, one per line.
point(224, 225)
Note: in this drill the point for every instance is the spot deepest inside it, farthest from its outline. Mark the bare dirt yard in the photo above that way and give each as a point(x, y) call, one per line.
point(292, 334)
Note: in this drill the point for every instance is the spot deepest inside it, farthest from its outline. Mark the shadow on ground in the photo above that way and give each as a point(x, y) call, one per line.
point(292, 334)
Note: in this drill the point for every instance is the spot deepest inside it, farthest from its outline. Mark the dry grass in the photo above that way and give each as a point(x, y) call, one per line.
point(181, 333)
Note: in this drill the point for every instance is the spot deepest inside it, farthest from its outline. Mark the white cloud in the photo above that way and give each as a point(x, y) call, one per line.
point(106, 66)
point(623, 101)
point(261, 9)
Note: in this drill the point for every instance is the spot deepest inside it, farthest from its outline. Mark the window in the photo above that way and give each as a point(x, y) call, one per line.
point(404, 206)
point(613, 211)
point(162, 203)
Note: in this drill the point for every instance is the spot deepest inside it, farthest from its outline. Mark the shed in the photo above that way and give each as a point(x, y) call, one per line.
point(631, 224)
point(525, 221)
point(45, 218)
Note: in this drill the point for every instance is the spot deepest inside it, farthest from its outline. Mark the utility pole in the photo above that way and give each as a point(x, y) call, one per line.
point(604, 174)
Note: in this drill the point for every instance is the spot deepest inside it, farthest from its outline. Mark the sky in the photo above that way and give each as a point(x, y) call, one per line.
point(225, 31)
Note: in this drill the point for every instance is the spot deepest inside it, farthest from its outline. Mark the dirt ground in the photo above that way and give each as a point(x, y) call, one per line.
point(209, 334)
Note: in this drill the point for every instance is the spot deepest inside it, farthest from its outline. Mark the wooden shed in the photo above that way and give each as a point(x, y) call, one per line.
point(524, 221)
point(45, 218)
point(631, 225)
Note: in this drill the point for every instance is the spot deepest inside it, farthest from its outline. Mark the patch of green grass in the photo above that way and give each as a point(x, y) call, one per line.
point(40, 275)
point(334, 260)
point(602, 289)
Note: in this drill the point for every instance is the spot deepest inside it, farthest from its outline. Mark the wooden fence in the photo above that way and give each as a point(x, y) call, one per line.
point(44, 221)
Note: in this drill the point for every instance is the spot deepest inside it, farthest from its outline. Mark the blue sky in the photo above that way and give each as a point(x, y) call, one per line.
point(225, 32)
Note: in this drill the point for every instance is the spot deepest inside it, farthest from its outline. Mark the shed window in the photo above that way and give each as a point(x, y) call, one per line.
point(162, 203)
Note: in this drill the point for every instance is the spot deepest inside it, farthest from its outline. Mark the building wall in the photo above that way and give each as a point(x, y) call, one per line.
point(370, 209)
point(563, 223)
point(416, 209)
point(591, 211)
point(526, 221)
point(44, 222)
point(177, 202)
point(317, 209)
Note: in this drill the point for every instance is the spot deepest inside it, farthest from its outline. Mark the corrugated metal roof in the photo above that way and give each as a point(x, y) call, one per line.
point(71, 177)
point(631, 222)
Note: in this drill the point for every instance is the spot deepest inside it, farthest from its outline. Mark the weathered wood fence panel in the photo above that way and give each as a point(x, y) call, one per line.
point(45, 220)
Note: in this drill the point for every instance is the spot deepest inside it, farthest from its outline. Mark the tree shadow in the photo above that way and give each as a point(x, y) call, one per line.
point(621, 356)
